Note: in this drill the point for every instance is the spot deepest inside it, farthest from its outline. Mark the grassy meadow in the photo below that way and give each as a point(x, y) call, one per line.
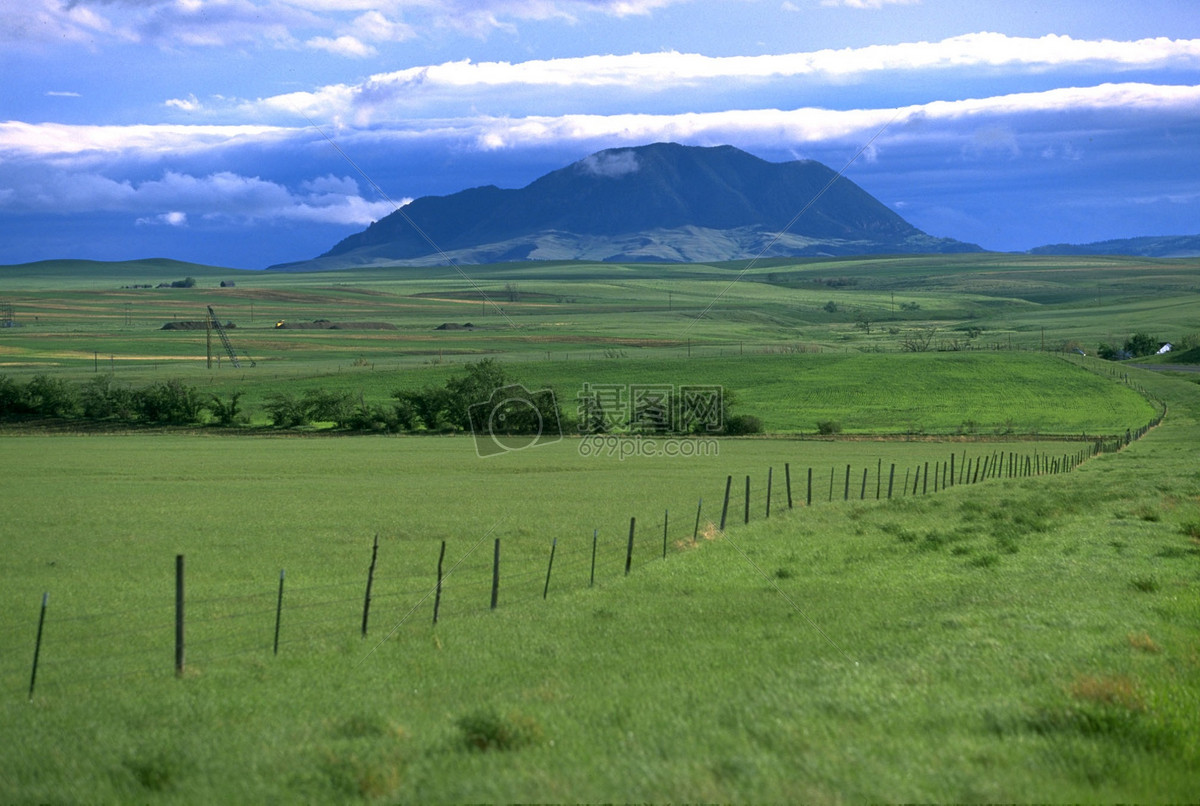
point(1016, 639)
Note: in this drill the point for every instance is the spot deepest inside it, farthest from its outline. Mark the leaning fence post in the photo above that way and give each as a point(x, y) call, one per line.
point(925, 480)
point(179, 615)
point(592, 579)
point(696, 531)
point(891, 480)
point(862, 494)
point(370, 581)
point(747, 519)
point(549, 568)
point(37, 645)
point(437, 596)
point(278, 611)
point(725, 506)
point(496, 575)
point(787, 482)
point(629, 550)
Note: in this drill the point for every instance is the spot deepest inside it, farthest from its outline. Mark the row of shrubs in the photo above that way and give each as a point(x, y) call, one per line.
point(169, 402)
point(484, 393)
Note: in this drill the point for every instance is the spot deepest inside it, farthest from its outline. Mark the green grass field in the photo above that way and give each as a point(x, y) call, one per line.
point(1017, 639)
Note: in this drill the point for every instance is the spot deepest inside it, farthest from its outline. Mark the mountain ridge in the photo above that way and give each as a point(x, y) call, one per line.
point(660, 202)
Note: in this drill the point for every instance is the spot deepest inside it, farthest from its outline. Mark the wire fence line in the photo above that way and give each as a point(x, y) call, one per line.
point(75, 650)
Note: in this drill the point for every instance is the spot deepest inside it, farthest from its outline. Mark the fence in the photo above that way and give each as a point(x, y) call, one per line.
point(83, 649)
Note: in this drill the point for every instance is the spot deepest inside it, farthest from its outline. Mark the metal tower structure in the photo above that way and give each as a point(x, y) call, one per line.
point(215, 324)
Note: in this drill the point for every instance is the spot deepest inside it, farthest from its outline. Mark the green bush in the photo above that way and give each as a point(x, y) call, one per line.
point(170, 402)
point(829, 427)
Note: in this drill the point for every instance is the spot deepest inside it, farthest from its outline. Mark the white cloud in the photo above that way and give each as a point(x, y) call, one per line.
point(188, 104)
point(397, 93)
point(868, 3)
point(173, 219)
point(219, 196)
point(62, 94)
point(18, 138)
point(772, 127)
point(776, 128)
point(611, 164)
point(319, 23)
point(342, 46)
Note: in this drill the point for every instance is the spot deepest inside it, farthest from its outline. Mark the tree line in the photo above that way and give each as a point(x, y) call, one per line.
point(483, 397)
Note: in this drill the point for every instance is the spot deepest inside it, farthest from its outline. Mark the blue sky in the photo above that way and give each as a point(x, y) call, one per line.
point(201, 130)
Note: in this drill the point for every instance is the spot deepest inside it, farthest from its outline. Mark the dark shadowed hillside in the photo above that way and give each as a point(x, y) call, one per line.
point(659, 202)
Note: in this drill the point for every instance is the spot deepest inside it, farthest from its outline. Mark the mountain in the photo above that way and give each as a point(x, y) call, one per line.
point(1150, 246)
point(662, 202)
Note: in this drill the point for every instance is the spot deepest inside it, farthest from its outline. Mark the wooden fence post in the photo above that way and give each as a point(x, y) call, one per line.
point(437, 597)
point(370, 581)
point(808, 499)
point(549, 568)
point(891, 480)
point(592, 579)
point(629, 550)
point(278, 611)
point(747, 519)
point(787, 481)
point(179, 615)
point(496, 575)
point(725, 506)
point(37, 645)
point(770, 473)
point(696, 530)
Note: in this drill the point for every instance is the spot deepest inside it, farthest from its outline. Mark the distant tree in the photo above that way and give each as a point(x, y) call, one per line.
point(325, 406)
point(286, 410)
point(50, 397)
point(862, 321)
point(227, 414)
point(170, 402)
point(918, 341)
point(830, 307)
point(1140, 344)
point(101, 398)
point(12, 398)
point(512, 291)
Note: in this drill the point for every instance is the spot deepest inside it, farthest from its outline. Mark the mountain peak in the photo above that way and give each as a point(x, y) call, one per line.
point(662, 201)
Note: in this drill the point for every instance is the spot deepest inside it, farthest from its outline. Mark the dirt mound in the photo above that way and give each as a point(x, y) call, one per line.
point(193, 325)
point(325, 324)
point(454, 326)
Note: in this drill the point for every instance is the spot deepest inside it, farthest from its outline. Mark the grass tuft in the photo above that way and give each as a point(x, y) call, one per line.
point(485, 730)
point(1145, 584)
point(1143, 643)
